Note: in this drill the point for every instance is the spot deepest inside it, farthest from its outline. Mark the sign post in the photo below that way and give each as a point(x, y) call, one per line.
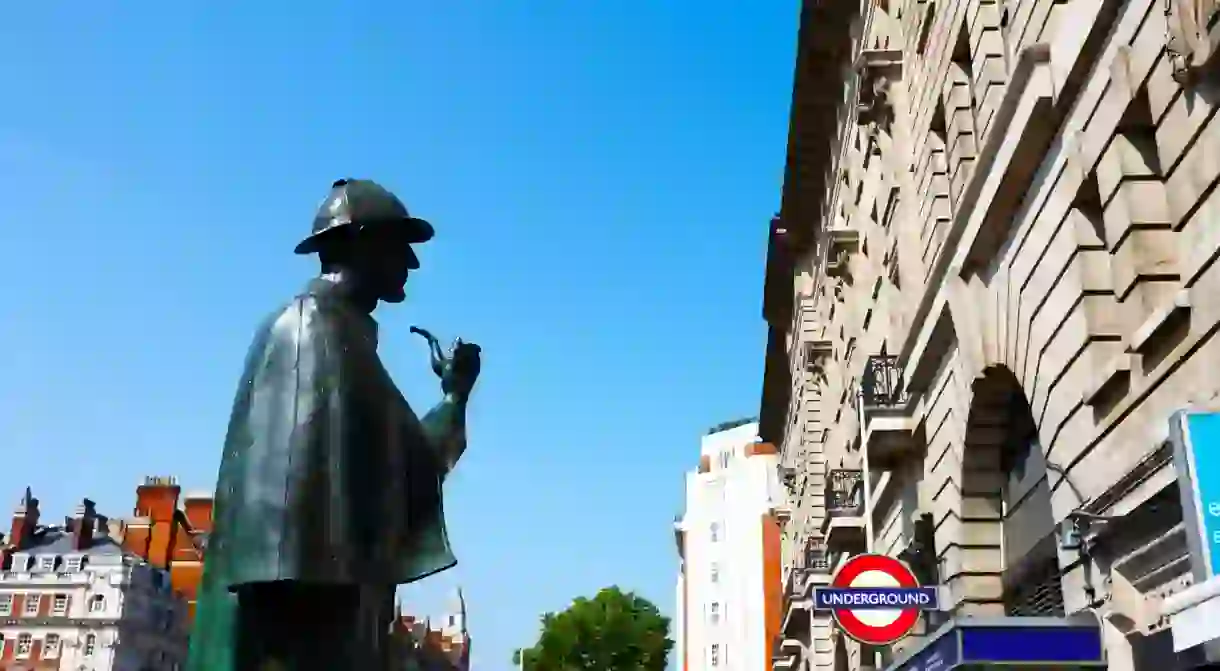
point(1195, 436)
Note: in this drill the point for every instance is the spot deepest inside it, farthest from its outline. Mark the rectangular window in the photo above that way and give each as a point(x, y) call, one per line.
point(715, 613)
point(715, 654)
point(50, 646)
point(715, 573)
point(25, 643)
point(90, 644)
point(6, 604)
point(60, 606)
point(46, 564)
point(74, 564)
point(31, 604)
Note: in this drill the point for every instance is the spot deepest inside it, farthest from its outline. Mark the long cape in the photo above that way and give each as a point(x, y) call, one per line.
point(327, 475)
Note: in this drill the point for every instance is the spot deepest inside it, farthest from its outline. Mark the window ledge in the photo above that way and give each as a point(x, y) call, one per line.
point(1160, 321)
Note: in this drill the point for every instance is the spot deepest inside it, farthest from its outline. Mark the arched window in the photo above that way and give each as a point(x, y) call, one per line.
point(1031, 562)
point(97, 603)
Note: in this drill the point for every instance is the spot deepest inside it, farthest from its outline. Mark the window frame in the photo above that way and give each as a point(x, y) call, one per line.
point(89, 648)
point(715, 654)
point(26, 640)
point(51, 645)
point(55, 607)
point(46, 563)
point(30, 604)
point(6, 604)
point(97, 603)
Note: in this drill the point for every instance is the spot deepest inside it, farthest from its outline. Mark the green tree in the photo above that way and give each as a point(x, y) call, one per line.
point(613, 631)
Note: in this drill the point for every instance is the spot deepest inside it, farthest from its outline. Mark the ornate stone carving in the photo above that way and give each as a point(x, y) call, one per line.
point(1188, 41)
point(875, 108)
point(878, 70)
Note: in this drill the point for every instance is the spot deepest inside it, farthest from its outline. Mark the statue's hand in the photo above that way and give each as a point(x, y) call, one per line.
point(462, 369)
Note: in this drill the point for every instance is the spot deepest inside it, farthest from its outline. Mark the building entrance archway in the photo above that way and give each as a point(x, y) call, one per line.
point(1007, 561)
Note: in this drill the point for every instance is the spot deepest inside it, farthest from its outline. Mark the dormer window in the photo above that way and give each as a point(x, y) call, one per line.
point(74, 564)
point(46, 563)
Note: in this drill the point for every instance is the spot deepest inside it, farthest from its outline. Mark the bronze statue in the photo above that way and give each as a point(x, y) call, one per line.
point(329, 493)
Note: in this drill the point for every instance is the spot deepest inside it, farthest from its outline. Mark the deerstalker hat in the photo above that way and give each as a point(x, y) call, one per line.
point(362, 203)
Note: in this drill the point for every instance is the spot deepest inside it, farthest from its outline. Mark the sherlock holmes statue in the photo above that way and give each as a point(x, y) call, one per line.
point(329, 493)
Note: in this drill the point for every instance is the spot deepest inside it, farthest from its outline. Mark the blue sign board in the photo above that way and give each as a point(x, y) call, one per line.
point(1196, 453)
point(1013, 641)
point(1032, 645)
point(876, 598)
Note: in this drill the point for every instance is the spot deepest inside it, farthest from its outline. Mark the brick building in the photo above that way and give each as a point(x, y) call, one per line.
point(428, 649)
point(170, 531)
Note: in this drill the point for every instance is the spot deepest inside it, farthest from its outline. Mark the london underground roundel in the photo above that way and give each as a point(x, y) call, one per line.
point(875, 599)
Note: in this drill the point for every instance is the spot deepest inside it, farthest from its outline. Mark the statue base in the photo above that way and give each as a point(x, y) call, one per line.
point(294, 626)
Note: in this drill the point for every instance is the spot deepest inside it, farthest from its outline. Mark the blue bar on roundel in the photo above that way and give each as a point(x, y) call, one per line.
point(876, 598)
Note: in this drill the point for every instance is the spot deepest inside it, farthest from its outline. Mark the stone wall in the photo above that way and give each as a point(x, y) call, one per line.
point(1032, 220)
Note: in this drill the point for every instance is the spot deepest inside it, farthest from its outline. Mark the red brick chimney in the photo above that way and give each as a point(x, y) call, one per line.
point(157, 499)
point(83, 524)
point(198, 509)
point(25, 519)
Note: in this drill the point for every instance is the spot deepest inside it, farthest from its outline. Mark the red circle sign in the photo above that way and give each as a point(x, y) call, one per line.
point(874, 632)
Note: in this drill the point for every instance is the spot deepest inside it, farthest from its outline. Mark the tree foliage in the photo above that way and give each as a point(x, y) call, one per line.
point(613, 631)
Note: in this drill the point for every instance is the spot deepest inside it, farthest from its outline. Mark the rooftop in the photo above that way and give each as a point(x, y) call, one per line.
point(58, 540)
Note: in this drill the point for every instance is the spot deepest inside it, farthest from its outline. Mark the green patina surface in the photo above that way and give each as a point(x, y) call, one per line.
point(328, 480)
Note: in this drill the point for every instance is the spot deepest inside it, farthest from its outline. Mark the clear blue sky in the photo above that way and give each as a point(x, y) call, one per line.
point(601, 175)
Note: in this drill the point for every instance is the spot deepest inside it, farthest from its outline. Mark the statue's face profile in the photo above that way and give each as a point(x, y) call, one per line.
point(384, 259)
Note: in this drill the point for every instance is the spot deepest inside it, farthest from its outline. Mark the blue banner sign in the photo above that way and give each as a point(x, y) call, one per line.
point(1195, 436)
point(1032, 645)
point(875, 598)
point(1015, 641)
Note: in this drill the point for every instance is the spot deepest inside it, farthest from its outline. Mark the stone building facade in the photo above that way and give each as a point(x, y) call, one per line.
point(987, 292)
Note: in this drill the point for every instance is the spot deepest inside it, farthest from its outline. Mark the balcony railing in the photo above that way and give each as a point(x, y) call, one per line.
point(815, 556)
point(845, 493)
point(882, 384)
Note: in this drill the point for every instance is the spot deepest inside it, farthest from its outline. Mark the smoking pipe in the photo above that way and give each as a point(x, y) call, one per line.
point(439, 361)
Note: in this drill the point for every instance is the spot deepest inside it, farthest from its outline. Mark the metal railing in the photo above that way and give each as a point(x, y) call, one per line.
point(815, 556)
point(881, 384)
point(845, 493)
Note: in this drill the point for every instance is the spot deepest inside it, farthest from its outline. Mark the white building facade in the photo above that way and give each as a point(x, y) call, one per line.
point(728, 591)
point(79, 601)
